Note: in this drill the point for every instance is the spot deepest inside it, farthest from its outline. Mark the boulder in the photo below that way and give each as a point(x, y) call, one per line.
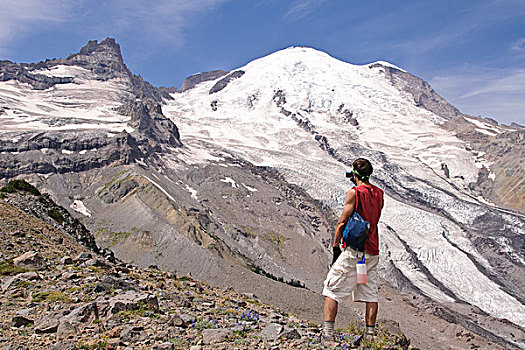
point(25, 312)
point(83, 257)
point(214, 336)
point(84, 313)
point(111, 283)
point(187, 319)
point(66, 328)
point(132, 334)
point(30, 260)
point(176, 321)
point(19, 321)
point(132, 301)
point(67, 276)
point(128, 301)
point(25, 276)
point(290, 333)
point(272, 331)
point(95, 262)
point(393, 332)
point(66, 260)
point(47, 325)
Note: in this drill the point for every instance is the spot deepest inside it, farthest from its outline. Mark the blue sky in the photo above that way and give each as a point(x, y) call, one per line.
point(471, 52)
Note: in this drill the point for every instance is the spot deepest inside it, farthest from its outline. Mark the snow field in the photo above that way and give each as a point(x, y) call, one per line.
point(84, 104)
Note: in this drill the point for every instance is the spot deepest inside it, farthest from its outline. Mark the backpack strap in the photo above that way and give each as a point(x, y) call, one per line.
point(356, 198)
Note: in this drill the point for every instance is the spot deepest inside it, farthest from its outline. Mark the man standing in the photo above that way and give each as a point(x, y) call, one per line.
point(341, 281)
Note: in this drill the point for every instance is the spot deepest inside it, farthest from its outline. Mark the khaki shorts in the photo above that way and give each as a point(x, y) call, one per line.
point(341, 280)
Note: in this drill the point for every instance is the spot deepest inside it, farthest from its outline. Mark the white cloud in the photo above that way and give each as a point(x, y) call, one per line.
point(519, 45)
point(495, 93)
point(302, 8)
point(161, 21)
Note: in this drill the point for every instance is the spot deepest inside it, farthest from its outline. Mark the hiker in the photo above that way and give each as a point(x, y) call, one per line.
point(341, 281)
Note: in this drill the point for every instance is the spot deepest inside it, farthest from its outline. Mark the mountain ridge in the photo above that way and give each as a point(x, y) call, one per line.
point(197, 178)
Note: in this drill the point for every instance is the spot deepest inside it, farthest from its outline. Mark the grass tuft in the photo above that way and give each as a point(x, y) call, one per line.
point(7, 268)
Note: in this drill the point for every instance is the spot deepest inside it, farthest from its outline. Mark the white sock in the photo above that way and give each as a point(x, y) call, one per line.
point(328, 330)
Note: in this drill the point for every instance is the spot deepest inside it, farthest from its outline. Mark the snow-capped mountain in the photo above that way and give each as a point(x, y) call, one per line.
point(238, 178)
point(309, 115)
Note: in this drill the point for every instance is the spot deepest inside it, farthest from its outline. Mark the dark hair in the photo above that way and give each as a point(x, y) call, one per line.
point(362, 168)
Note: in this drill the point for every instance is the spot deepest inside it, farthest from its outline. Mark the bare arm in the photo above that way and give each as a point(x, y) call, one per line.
point(347, 212)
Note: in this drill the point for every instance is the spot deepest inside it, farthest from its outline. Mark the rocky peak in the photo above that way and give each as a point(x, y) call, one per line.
point(104, 59)
point(107, 45)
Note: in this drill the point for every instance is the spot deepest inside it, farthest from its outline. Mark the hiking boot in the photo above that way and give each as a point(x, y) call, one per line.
point(325, 338)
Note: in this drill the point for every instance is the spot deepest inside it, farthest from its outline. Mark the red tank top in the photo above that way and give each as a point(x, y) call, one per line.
point(369, 202)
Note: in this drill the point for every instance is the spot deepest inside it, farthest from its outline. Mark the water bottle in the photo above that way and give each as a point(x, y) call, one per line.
point(361, 272)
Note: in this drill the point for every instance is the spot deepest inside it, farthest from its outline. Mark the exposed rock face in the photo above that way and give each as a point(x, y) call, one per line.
point(504, 149)
point(221, 84)
point(423, 94)
point(22, 73)
point(103, 59)
point(191, 81)
point(149, 121)
point(61, 152)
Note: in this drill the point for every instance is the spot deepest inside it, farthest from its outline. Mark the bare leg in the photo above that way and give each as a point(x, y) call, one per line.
point(371, 313)
point(330, 309)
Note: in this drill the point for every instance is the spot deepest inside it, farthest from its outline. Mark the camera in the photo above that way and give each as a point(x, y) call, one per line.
point(350, 174)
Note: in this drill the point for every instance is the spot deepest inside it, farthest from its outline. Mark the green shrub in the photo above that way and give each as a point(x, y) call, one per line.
point(56, 215)
point(201, 324)
point(20, 185)
point(50, 297)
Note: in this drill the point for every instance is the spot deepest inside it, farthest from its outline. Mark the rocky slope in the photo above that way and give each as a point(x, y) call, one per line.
point(58, 294)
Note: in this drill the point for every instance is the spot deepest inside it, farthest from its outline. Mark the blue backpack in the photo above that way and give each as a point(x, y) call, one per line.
point(356, 231)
